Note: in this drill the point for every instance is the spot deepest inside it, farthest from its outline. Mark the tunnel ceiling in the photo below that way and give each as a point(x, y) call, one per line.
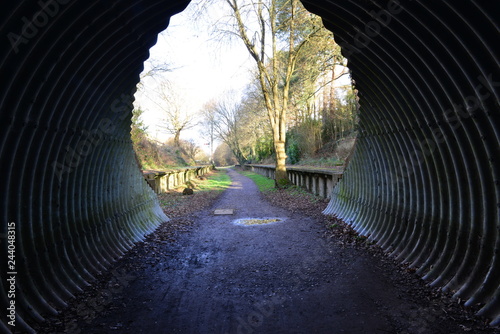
point(423, 182)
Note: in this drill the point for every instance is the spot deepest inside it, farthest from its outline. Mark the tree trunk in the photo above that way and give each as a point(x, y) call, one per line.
point(177, 138)
point(281, 176)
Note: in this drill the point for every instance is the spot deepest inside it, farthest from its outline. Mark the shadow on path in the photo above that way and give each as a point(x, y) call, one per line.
point(283, 277)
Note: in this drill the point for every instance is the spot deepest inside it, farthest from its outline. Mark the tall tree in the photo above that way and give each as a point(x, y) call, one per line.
point(276, 34)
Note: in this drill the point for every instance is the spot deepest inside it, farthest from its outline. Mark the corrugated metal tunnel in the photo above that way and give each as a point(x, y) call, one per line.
point(423, 182)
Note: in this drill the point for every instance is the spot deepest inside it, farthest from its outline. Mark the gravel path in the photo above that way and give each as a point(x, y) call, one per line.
point(283, 277)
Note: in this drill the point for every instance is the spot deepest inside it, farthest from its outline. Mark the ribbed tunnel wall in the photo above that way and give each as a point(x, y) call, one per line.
point(423, 182)
point(69, 178)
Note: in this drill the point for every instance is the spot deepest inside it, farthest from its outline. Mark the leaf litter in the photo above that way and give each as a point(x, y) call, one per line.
point(404, 277)
point(102, 294)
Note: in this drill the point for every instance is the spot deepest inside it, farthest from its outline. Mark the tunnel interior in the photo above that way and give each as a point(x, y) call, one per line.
point(423, 182)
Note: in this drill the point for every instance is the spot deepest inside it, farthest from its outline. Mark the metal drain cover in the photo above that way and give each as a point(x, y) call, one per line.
point(220, 212)
point(256, 221)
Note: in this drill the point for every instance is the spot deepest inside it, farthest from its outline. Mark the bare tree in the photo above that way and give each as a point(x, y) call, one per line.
point(176, 117)
point(275, 42)
point(225, 118)
point(223, 155)
point(241, 123)
point(154, 69)
point(191, 149)
point(209, 118)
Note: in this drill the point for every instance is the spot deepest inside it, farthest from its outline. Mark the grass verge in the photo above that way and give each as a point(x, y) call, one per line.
point(177, 207)
point(265, 184)
point(206, 190)
point(216, 181)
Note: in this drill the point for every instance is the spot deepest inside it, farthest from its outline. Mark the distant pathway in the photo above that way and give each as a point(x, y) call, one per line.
point(278, 278)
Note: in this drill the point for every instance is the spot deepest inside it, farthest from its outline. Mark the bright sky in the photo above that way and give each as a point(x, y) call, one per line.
point(203, 69)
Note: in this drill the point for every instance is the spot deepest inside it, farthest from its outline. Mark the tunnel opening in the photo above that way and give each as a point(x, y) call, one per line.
point(423, 181)
point(200, 92)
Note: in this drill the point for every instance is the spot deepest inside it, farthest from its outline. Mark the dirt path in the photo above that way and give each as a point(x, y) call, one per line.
point(283, 277)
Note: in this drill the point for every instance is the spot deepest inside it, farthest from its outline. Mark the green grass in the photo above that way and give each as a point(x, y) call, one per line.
point(215, 183)
point(219, 180)
point(265, 184)
point(206, 191)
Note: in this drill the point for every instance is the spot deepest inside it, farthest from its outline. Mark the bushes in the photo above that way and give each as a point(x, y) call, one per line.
point(263, 149)
point(307, 144)
point(292, 149)
point(154, 155)
point(344, 148)
point(303, 139)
